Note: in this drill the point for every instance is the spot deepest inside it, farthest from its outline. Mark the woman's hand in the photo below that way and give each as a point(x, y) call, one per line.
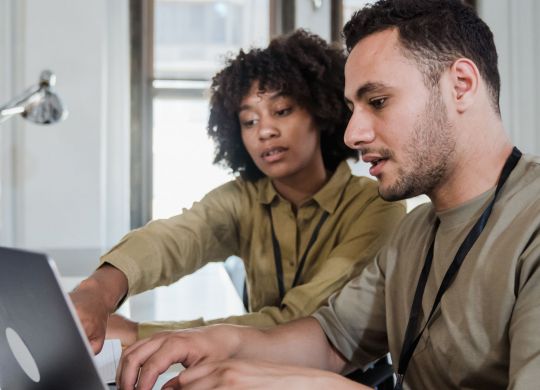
point(93, 314)
point(96, 298)
point(119, 327)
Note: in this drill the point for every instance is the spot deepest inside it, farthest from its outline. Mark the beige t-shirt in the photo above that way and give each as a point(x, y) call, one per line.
point(486, 332)
point(233, 220)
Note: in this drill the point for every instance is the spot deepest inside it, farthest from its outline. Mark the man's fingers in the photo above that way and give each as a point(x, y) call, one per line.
point(171, 351)
point(171, 384)
point(194, 373)
point(146, 359)
point(201, 377)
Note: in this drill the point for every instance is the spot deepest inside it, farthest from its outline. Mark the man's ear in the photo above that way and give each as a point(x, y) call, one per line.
point(465, 79)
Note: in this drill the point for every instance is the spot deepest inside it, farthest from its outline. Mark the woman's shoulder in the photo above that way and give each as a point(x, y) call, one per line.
point(239, 190)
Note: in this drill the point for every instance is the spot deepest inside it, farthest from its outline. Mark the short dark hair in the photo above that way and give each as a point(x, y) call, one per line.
point(301, 66)
point(435, 33)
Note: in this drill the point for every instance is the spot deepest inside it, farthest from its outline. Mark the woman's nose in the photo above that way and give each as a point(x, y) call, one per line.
point(268, 129)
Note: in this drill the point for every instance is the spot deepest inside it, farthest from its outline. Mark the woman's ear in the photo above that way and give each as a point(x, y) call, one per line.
point(465, 79)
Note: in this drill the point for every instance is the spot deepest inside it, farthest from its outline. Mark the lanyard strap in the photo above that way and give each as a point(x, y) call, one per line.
point(410, 342)
point(277, 253)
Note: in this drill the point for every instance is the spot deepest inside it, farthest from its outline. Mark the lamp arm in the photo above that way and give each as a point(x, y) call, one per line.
point(16, 105)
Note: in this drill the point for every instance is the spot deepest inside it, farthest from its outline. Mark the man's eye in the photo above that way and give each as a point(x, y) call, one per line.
point(378, 103)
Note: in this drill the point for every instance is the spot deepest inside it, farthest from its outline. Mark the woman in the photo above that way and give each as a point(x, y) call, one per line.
point(300, 221)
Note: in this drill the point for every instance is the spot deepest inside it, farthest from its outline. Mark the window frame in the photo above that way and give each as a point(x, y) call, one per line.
point(145, 87)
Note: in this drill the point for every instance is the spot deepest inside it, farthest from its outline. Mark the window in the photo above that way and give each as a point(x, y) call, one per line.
point(350, 6)
point(171, 73)
point(191, 41)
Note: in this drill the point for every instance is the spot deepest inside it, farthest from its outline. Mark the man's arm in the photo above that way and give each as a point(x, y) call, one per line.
point(245, 374)
point(299, 343)
point(523, 333)
point(96, 298)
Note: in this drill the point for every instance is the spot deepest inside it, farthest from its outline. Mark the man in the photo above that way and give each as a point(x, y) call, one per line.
point(454, 295)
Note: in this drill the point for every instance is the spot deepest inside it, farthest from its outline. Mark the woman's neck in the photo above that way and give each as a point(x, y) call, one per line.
point(301, 187)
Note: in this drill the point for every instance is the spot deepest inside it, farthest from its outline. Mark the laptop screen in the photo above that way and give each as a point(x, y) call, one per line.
point(42, 345)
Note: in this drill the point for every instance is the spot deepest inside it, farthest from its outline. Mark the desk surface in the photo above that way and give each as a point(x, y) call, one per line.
point(208, 293)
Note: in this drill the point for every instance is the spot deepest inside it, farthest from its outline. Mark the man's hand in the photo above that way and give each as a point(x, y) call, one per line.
point(249, 375)
point(95, 299)
point(300, 343)
point(145, 360)
point(119, 327)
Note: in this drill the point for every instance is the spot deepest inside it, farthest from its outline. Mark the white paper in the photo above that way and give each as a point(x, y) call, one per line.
point(107, 360)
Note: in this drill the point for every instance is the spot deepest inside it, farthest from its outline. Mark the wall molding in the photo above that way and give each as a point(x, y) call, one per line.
point(11, 76)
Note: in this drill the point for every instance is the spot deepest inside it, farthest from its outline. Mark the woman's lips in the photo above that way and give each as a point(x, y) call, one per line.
point(273, 154)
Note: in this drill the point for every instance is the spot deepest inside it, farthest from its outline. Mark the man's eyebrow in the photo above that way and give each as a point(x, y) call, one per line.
point(367, 88)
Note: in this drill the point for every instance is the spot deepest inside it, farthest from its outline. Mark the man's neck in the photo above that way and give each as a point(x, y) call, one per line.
point(475, 172)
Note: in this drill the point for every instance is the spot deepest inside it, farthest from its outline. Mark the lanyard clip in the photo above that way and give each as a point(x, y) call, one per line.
point(399, 384)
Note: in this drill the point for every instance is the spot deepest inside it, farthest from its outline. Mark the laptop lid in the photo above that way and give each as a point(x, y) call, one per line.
point(42, 344)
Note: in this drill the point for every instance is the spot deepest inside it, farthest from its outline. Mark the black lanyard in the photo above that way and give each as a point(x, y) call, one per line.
point(277, 254)
point(410, 342)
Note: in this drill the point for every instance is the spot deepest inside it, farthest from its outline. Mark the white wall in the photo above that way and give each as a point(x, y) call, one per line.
point(515, 25)
point(68, 191)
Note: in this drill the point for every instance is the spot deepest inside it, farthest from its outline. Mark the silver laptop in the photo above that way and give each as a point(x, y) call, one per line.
point(42, 344)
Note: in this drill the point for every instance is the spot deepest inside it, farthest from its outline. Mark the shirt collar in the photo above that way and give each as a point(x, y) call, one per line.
point(327, 197)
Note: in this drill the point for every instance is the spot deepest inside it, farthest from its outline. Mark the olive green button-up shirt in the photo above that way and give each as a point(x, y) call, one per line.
point(233, 219)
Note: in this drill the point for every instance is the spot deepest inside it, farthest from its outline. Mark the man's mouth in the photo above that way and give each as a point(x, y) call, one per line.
point(377, 163)
point(374, 160)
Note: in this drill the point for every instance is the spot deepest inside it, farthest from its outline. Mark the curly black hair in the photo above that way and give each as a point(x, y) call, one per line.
point(434, 33)
point(300, 65)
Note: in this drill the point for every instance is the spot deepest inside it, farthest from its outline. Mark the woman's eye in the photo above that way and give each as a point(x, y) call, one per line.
point(248, 123)
point(378, 103)
point(284, 111)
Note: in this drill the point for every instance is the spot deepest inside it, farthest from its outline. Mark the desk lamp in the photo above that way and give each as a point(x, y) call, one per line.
point(38, 104)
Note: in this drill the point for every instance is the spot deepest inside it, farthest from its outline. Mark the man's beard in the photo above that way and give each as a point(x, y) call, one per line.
point(426, 155)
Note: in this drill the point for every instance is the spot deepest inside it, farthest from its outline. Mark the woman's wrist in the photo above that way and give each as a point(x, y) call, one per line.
point(108, 284)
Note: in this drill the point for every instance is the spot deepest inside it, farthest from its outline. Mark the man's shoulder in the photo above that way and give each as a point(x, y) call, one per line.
point(422, 212)
point(415, 223)
point(525, 180)
point(529, 166)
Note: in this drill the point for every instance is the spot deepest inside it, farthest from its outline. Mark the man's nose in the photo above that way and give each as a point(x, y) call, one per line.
point(360, 130)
